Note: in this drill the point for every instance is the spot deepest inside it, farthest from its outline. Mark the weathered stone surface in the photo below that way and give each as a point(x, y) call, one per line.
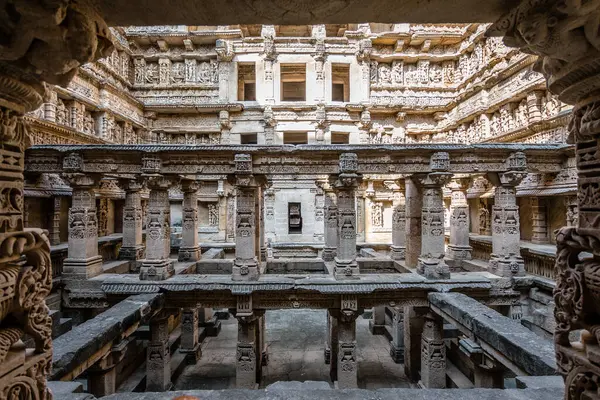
point(507, 336)
point(295, 385)
point(356, 394)
point(77, 346)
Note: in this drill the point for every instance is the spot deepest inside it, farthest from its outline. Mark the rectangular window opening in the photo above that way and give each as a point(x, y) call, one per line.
point(293, 82)
point(248, 138)
point(340, 82)
point(246, 82)
point(295, 138)
point(294, 218)
point(339, 138)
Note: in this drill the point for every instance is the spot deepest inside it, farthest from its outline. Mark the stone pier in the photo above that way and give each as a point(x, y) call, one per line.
point(431, 262)
point(249, 352)
point(158, 355)
point(347, 363)
point(414, 204)
point(398, 248)
point(189, 250)
point(157, 265)
point(83, 261)
point(190, 331)
point(506, 260)
point(331, 225)
point(345, 186)
point(433, 353)
point(397, 342)
point(133, 245)
point(459, 248)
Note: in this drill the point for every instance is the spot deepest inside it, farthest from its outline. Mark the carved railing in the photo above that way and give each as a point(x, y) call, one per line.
point(539, 264)
point(482, 250)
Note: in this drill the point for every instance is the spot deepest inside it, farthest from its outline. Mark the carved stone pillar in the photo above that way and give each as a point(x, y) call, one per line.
point(569, 56)
point(225, 55)
point(459, 248)
point(398, 248)
point(347, 364)
point(413, 329)
point(83, 261)
point(133, 245)
point(572, 210)
point(102, 376)
point(397, 342)
point(190, 331)
point(414, 204)
point(158, 355)
point(189, 250)
point(377, 322)
point(270, 56)
point(345, 186)
point(31, 32)
point(248, 353)
point(505, 259)
point(331, 225)
point(539, 224)
point(331, 344)
point(246, 265)
point(157, 265)
point(55, 233)
point(431, 262)
point(433, 353)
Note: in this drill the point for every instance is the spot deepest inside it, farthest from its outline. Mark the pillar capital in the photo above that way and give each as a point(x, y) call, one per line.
point(82, 181)
point(433, 179)
point(131, 184)
point(189, 185)
point(158, 182)
point(460, 183)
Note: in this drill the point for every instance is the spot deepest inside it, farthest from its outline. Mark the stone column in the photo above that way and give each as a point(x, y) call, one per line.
point(158, 355)
point(157, 265)
point(413, 329)
point(347, 365)
point(397, 342)
point(189, 250)
point(25, 265)
point(505, 259)
point(377, 322)
point(345, 186)
point(331, 348)
point(433, 353)
point(398, 248)
point(248, 353)
point(270, 56)
point(55, 233)
point(225, 55)
point(459, 248)
point(133, 244)
point(83, 261)
point(331, 225)
point(431, 262)
point(564, 54)
point(539, 224)
point(190, 332)
point(572, 211)
point(246, 265)
point(414, 204)
point(102, 376)
point(261, 226)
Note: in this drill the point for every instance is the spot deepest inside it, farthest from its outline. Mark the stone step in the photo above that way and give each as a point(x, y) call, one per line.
point(64, 326)
point(475, 265)
point(116, 267)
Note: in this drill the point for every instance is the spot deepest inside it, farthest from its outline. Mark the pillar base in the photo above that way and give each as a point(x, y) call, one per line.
point(397, 252)
point(156, 270)
point(328, 254)
point(132, 253)
point(433, 268)
point(82, 268)
point(345, 269)
point(507, 266)
point(192, 356)
point(397, 353)
point(245, 271)
point(189, 253)
point(459, 253)
point(376, 329)
point(264, 254)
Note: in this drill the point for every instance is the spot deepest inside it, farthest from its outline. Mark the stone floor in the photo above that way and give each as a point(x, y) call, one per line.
point(296, 341)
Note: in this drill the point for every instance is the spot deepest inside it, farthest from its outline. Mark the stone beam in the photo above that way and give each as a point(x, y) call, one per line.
point(520, 349)
point(80, 348)
point(301, 159)
point(305, 12)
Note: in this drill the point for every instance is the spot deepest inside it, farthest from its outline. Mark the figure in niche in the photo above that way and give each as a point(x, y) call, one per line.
point(377, 214)
point(484, 219)
point(151, 73)
point(213, 215)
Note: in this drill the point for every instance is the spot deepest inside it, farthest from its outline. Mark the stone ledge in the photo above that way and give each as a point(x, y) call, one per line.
point(77, 346)
point(508, 337)
point(353, 394)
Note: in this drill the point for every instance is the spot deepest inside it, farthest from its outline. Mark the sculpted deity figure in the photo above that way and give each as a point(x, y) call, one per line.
point(151, 73)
